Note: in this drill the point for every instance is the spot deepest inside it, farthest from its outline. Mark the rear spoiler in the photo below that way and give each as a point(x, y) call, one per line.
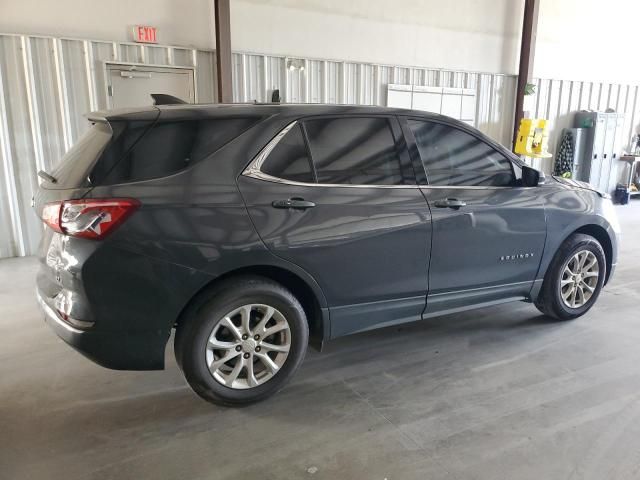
point(146, 113)
point(94, 117)
point(149, 113)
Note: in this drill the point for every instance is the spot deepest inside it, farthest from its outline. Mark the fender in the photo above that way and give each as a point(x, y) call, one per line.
point(268, 259)
point(562, 222)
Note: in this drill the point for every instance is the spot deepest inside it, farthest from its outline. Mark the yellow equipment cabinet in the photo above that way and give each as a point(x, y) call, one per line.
point(532, 138)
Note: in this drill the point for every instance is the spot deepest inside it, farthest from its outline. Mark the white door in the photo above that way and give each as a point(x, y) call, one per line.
point(607, 157)
point(617, 152)
point(132, 86)
point(598, 151)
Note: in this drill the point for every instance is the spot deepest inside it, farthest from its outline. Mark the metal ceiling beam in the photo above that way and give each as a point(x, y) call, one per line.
point(527, 52)
point(223, 50)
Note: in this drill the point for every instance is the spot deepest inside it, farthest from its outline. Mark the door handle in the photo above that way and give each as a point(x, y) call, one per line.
point(450, 203)
point(296, 203)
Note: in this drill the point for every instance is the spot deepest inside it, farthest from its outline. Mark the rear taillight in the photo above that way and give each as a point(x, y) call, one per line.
point(51, 215)
point(91, 218)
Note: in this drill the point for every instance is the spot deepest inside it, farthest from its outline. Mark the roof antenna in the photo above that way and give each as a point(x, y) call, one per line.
point(164, 99)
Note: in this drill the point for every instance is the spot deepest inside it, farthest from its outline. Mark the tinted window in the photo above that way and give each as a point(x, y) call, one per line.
point(76, 163)
point(359, 151)
point(289, 159)
point(164, 148)
point(453, 157)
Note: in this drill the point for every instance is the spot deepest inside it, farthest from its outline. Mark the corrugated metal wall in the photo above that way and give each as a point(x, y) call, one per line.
point(47, 84)
point(328, 81)
point(558, 100)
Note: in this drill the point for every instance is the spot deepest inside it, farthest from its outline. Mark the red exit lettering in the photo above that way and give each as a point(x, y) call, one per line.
point(145, 34)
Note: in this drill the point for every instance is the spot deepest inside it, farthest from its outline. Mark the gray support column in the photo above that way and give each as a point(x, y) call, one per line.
point(223, 50)
point(527, 52)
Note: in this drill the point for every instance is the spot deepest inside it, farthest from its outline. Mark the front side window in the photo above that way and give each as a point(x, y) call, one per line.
point(356, 151)
point(289, 159)
point(453, 157)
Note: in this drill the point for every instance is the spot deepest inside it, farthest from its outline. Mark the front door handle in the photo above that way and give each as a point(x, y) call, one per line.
point(450, 203)
point(296, 203)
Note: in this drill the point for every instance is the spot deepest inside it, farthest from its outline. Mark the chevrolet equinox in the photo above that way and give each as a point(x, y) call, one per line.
point(257, 230)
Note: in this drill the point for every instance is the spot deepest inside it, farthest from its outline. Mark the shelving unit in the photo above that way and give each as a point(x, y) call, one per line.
point(632, 161)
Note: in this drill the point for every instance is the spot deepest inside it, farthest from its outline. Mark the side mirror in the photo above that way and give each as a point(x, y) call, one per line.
point(532, 177)
point(542, 179)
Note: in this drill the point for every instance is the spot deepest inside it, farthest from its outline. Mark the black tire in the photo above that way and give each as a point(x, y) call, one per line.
point(550, 301)
point(193, 333)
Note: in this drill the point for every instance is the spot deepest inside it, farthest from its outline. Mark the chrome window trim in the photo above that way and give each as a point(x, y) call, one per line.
point(465, 187)
point(269, 178)
point(256, 164)
point(254, 170)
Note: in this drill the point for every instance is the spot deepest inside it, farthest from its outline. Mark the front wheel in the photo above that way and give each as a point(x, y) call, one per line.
point(574, 278)
point(244, 343)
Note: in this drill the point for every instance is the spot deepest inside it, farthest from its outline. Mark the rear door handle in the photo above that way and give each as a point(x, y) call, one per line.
point(296, 203)
point(450, 203)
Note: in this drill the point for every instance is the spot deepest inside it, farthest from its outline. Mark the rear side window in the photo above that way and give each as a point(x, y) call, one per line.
point(357, 151)
point(453, 157)
point(164, 149)
point(289, 159)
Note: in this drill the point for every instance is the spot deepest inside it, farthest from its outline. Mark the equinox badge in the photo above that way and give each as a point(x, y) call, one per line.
point(518, 256)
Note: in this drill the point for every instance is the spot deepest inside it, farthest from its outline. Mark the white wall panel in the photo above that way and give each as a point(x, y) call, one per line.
point(18, 152)
point(424, 32)
point(573, 41)
point(316, 80)
point(75, 85)
point(386, 76)
point(130, 53)
point(184, 56)
point(333, 81)
point(275, 75)
point(296, 88)
point(206, 81)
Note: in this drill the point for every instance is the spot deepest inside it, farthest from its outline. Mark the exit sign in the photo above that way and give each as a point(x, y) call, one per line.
point(145, 34)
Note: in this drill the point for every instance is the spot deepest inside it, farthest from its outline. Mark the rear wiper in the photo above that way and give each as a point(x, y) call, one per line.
point(47, 177)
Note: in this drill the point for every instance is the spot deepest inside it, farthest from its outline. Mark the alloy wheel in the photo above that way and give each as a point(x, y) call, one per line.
point(579, 279)
point(248, 346)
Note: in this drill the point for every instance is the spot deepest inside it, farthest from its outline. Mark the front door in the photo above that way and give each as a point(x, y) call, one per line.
point(488, 232)
point(337, 196)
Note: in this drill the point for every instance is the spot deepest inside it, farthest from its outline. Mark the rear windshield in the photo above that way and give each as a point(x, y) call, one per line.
point(141, 153)
point(76, 163)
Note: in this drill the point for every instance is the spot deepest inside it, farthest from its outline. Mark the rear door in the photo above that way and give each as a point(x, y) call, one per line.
point(488, 230)
point(337, 196)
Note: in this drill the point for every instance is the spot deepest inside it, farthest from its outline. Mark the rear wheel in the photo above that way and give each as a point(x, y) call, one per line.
point(574, 278)
point(243, 343)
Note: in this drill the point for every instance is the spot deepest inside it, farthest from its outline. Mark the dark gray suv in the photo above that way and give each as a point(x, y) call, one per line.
point(255, 230)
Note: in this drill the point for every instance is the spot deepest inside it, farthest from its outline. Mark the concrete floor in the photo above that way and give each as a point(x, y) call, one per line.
point(496, 393)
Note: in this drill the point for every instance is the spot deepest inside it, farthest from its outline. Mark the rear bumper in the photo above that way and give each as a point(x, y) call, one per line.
point(114, 350)
point(114, 306)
